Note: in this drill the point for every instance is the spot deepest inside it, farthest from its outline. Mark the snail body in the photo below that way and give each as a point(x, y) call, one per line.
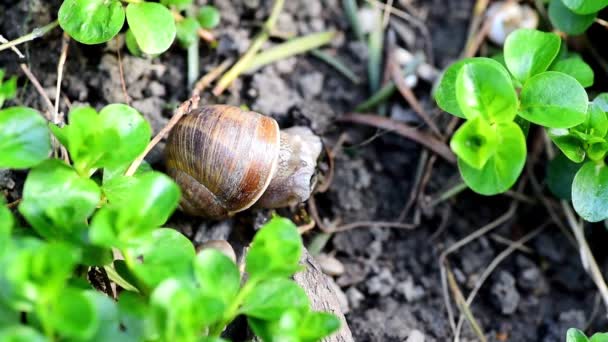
point(226, 160)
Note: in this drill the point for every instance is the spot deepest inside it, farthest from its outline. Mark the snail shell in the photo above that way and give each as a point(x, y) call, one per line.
point(225, 159)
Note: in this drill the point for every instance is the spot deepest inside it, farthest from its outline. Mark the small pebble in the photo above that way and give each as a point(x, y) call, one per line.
point(221, 246)
point(330, 265)
point(415, 336)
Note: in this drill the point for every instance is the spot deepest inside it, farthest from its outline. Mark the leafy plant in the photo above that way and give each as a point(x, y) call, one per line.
point(575, 335)
point(152, 26)
point(574, 16)
point(53, 271)
point(542, 84)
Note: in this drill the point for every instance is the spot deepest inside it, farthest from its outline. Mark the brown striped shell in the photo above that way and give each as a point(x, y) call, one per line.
point(223, 159)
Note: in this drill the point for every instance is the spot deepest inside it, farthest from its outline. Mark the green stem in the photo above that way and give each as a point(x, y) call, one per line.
point(193, 56)
point(351, 10)
point(233, 310)
point(36, 33)
point(336, 64)
point(290, 48)
point(449, 193)
point(257, 43)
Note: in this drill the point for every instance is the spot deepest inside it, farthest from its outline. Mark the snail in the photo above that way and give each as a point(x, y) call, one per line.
point(227, 160)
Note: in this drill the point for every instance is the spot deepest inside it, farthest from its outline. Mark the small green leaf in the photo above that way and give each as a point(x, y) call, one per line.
point(91, 21)
point(570, 144)
point(599, 337)
point(318, 325)
point(575, 335)
point(474, 142)
point(187, 32)
point(208, 17)
point(177, 3)
point(560, 174)
point(8, 89)
point(152, 200)
point(132, 45)
point(596, 124)
point(285, 328)
point(602, 101)
point(152, 25)
point(590, 193)
point(275, 250)
point(166, 254)
point(20, 333)
point(132, 130)
point(485, 89)
point(6, 226)
point(502, 170)
point(555, 100)
point(576, 68)
point(271, 298)
point(530, 52)
point(216, 275)
point(585, 6)
point(178, 314)
point(565, 20)
point(74, 314)
point(24, 138)
point(134, 316)
point(445, 93)
point(57, 201)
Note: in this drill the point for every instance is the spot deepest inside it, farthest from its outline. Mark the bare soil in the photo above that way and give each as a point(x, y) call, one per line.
point(391, 281)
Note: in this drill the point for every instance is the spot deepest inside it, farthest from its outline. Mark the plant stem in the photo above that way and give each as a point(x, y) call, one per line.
point(233, 310)
point(257, 43)
point(290, 48)
point(36, 33)
point(352, 10)
point(201, 32)
point(336, 64)
point(193, 57)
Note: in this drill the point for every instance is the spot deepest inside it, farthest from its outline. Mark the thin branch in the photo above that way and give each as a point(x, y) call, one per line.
point(36, 83)
point(36, 33)
point(182, 110)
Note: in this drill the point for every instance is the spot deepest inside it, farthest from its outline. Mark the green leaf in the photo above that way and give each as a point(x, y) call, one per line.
point(132, 130)
point(602, 101)
point(565, 20)
point(166, 254)
point(599, 337)
point(8, 89)
point(57, 201)
point(570, 144)
point(74, 315)
point(575, 335)
point(445, 93)
point(216, 275)
point(585, 6)
point(152, 25)
point(275, 250)
point(148, 206)
point(134, 316)
point(596, 124)
point(24, 138)
point(576, 68)
point(271, 298)
point(485, 89)
point(208, 17)
point(530, 52)
point(20, 333)
point(560, 174)
point(590, 193)
point(108, 328)
point(6, 226)
point(318, 325)
point(132, 45)
point(555, 100)
point(178, 314)
point(474, 142)
point(284, 328)
point(502, 170)
point(181, 4)
point(91, 21)
point(187, 32)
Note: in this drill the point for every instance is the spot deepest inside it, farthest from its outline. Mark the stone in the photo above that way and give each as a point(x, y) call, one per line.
point(504, 293)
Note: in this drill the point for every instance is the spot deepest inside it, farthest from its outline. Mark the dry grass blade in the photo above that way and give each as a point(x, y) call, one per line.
point(40, 90)
point(409, 96)
point(211, 76)
point(492, 266)
point(464, 308)
point(404, 130)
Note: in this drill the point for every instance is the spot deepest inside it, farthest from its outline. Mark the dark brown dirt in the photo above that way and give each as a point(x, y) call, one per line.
point(392, 279)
